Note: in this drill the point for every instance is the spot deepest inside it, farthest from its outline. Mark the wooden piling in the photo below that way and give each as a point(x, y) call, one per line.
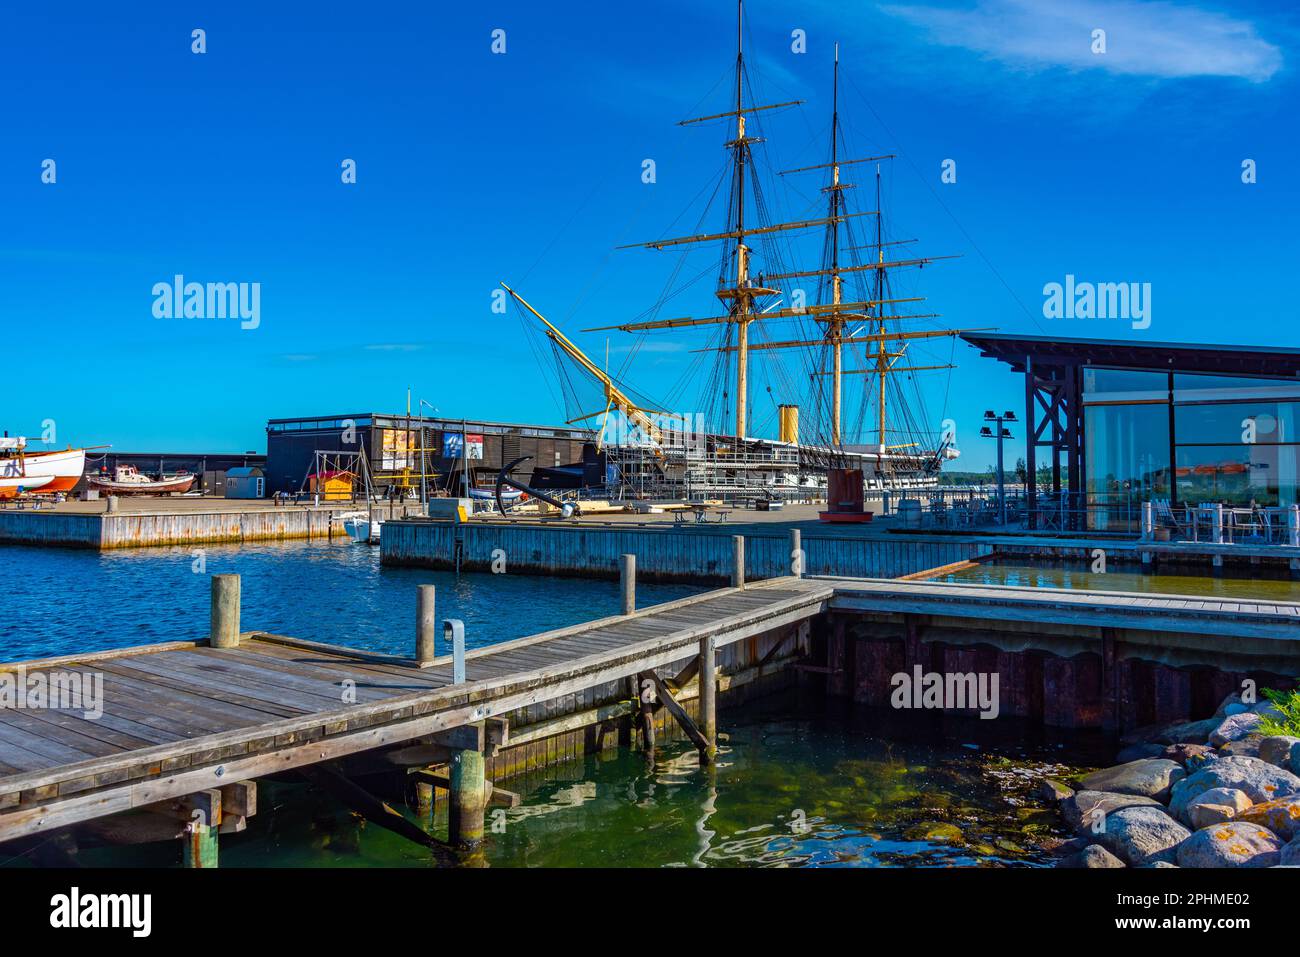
point(708, 700)
point(647, 717)
point(224, 631)
point(426, 625)
point(737, 561)
point(467, 799)
point(627, 582)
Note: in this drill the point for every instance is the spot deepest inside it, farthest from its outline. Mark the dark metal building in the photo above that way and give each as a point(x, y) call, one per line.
point(396, 446)
point(1129, 422)
point(209, 467)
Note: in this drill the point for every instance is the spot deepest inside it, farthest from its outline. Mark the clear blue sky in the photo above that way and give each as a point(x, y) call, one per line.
point(474, 167)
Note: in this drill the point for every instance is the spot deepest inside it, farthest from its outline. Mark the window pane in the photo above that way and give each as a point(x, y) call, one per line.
point(1127, 460)
point(1190, 387)
point(1237, 423)
point(1124, 385)
point(1238, 474)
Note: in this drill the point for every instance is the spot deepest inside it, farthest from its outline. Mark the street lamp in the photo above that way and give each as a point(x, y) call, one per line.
point(1001, 434)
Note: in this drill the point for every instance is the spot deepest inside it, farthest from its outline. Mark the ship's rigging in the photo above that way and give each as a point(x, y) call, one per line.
point(854, 328)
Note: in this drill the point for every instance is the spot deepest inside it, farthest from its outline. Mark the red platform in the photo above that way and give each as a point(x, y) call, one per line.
point(844, 517)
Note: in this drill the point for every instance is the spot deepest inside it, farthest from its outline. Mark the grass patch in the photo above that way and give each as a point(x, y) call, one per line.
point(1288, 721)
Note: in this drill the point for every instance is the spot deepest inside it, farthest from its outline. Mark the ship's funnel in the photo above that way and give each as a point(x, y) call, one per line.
point(789, 419)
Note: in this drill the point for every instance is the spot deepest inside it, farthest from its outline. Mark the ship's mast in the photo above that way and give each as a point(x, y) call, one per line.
point(743, 301)
point(836, 329)
point(882, 360)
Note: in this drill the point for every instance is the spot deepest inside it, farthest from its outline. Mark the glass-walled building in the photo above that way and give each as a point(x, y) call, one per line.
point(1124, 423)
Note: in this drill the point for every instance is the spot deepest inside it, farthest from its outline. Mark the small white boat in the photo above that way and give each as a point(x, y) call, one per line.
point(359, 528)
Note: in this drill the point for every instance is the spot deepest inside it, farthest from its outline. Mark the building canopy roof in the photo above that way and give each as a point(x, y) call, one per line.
point(1016, 351)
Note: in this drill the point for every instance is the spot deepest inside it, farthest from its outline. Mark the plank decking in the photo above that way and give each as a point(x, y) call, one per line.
point(182, 717)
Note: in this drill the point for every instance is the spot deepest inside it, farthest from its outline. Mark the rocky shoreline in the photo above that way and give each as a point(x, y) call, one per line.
point(1212, 793)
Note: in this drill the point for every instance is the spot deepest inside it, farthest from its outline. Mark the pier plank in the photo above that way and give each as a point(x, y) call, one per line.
point(175, 715)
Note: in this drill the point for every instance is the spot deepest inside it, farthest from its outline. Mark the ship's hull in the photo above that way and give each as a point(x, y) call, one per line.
point(63, 469)
point(10, 486)
point(180, 483)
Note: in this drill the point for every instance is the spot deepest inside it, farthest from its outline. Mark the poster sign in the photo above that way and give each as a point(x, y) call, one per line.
point(455, 443)
point(398, 450)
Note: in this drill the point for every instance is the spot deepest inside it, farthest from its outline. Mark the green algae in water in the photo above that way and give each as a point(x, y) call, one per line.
point(844, 788)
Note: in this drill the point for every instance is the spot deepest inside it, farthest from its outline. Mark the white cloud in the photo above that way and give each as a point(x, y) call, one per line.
point(1156, 39)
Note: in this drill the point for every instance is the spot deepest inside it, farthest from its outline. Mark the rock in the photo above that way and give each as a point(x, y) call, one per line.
point(1221, 711)
point(1234, 728)
point(1276, 749)
point(934, 831)
point(1134, 752)
point(1235, 844)
point(1051, 791)
point(1295, 759)
point(1142, 835)
point(1148, 777)
point(1205, 815)
point(1084, 808)
point(1180, 732)
point(1291, 854)
point(1235, 707)
point(1162, 864)
point(1092, 856)
point(1282, 816)
point(1260, 780)
point(1190, 756)
point(1233, 798)
point(1247, 747)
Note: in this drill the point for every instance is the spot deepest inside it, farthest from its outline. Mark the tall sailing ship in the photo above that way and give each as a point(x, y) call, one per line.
point(853, 313)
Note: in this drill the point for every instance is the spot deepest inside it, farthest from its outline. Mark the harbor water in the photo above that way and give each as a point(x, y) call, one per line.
point(1078, 576)
point(794, 787)
point(61, 601)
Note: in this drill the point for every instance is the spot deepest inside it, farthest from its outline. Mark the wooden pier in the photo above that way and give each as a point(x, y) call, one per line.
point(185, 717)
point(188, 726)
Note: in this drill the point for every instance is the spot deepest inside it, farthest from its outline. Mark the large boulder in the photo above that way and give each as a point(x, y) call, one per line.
point(1276, 749)
point(1180, 732)
point(1282, 816)
point(1052, 791)
point(1234, 728)
point(1216, 806)
point(1092, 856)
point(1147, 777)
point(1140, 836)
point(1085, 810)
point(1291, 854)
point(1235, 844)
point(1260, 780)
point(1247, 747)
point(1146, 749)
point(1190, 756)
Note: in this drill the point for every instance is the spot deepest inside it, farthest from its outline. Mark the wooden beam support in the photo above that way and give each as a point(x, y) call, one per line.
point(679, 713)
point(328, 778)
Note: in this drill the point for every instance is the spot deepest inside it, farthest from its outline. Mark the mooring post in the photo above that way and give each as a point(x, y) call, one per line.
point(627, 582)
point(225, 612)
point(1148, 521)
point(1216, 523)
point(645, 694)
point(467, 797)
point(426, 625)
point(796, 553)
point(737, 561)
point(453, 633)
point(1293, 521)
point(110, 505)
point(199, 846)
point(708, 700)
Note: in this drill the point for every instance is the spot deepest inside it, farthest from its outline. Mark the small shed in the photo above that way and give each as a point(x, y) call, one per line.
point(335, 486)
point(248, 482)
